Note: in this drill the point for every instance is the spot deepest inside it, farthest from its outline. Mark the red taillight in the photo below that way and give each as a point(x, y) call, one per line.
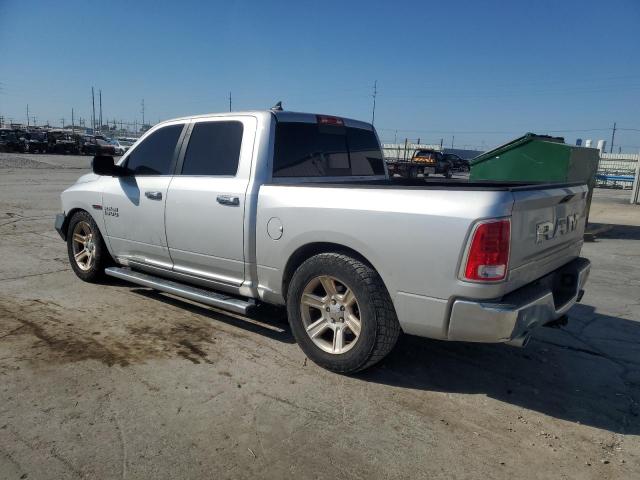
point(488, 257)
point(327, 120)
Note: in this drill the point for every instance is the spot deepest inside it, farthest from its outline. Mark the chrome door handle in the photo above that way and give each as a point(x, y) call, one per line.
point(228, 200)
point(153, 195)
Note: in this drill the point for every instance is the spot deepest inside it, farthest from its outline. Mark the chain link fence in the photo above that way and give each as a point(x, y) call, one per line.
point(616, 170)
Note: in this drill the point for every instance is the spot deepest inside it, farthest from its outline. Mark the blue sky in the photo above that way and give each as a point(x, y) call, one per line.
point(482, 71)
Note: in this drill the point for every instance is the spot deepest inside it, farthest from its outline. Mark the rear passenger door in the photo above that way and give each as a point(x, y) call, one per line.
point(206, 200)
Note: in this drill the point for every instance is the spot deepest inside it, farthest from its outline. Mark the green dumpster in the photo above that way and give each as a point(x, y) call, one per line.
point(538, 158)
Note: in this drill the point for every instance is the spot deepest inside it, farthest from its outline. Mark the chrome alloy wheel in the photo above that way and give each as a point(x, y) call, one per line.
point(84, 247)
point(330, 314)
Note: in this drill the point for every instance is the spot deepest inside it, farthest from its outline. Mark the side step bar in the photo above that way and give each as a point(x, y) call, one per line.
point(219, 300)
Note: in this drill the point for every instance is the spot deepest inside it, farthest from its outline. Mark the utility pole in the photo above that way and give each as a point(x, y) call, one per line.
point(62, 120)
point(27, 115)
point(93, 110)
point(375, 94)
point(613, 135)
point(453, 137)
point(229, 101)
point(143, 112)
point(73, 123)
point(100, 110)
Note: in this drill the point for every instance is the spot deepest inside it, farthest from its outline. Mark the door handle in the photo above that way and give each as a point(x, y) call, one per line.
point(153, 195)
point(228, 200)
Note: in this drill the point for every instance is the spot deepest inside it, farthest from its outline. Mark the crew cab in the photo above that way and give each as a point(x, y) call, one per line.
point(297, 209)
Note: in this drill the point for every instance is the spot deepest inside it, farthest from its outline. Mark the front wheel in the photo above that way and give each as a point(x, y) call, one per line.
point(88, 254)
point(340, 313)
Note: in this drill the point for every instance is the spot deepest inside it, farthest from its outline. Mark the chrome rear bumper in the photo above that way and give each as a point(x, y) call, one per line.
point(513, 318)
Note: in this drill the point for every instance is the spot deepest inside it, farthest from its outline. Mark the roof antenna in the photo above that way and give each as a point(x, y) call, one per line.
point(277, 107)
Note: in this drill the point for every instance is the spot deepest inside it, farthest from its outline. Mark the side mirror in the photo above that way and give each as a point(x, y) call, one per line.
point(104, 165)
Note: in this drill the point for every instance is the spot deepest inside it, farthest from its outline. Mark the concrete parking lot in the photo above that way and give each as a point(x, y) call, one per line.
point(115, 381)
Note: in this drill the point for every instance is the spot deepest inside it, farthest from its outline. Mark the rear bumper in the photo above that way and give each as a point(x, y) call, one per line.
point(513, 318)
point(60, 224)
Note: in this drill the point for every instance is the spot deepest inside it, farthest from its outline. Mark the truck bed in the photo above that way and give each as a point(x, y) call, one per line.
point(425, 184)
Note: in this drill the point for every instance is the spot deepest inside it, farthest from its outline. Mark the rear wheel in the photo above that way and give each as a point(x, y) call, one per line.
point(88, 254)
point(340, 313)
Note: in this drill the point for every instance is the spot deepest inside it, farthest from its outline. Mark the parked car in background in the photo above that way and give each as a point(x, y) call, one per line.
point(64, 142)
point(458, 164)
point(13, 140)
point(126, 142)
point(118, 147)
point(423, 162)
point(97, 146)
point(433, 161)
point(37, 142)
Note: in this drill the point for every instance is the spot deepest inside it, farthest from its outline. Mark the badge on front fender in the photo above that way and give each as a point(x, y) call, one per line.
point(111, 211)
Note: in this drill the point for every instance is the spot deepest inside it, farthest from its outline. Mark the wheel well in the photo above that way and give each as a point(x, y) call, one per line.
point(67, 217)
point(71, 213)
point(307, 251)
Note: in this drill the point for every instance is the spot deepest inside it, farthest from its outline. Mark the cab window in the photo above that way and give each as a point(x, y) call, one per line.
point(154, 156)
point(214, 149)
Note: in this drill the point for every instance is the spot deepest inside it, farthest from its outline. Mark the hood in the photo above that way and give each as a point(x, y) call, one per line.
point(89, 177)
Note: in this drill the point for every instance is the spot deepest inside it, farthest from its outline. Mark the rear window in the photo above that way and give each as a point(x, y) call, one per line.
point(427, 154)
point(312, 150)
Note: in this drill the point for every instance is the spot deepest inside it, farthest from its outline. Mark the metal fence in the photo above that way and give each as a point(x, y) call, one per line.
point(404, 151)
point(616, 170)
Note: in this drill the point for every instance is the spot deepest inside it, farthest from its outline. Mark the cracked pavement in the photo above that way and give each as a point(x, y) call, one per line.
point(116, 381)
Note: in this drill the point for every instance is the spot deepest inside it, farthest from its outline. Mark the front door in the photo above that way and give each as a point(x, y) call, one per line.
point(206, 200)
point(134, 205)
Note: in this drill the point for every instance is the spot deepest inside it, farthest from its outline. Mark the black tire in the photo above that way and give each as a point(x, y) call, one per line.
point(379, 325)
point(101, 258)
point(448, 174)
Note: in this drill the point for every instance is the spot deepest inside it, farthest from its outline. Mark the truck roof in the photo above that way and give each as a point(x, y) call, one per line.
point(282, 116)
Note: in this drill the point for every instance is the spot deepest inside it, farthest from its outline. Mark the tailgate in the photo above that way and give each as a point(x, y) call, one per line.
point(547, 224)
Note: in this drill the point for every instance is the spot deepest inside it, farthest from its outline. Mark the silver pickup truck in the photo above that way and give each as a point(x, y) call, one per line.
point(297, 209)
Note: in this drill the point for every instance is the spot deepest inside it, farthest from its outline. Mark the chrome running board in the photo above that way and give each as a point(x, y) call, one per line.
point(219, 300)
